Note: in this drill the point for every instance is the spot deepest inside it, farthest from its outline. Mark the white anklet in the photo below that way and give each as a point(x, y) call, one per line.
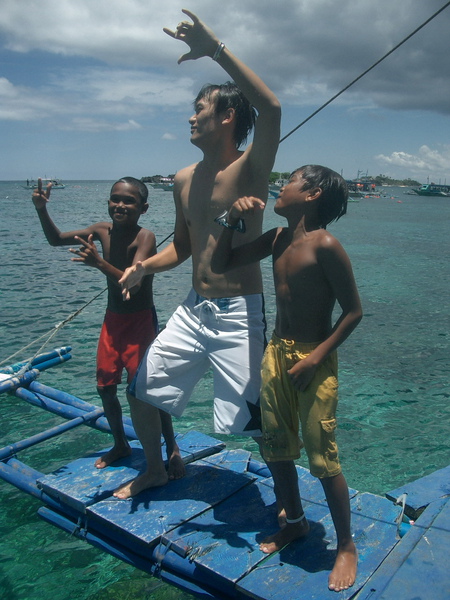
point(292, 521)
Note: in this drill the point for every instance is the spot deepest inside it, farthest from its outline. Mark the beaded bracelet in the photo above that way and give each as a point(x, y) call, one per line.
point(218, 51)
point(222, 220)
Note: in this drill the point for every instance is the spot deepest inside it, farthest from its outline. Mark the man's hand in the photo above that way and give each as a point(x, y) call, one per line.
point(88, 253)
point(131, 278)
point(200, 39)
point(39, 197)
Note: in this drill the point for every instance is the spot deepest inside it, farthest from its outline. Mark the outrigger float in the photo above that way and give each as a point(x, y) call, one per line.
point(201, 533)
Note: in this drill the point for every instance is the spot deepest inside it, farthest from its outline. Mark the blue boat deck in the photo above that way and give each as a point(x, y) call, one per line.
point(202, 533)
point(207, 526)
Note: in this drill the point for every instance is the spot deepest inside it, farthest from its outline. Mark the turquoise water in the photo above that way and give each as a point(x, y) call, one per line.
point(394, 421)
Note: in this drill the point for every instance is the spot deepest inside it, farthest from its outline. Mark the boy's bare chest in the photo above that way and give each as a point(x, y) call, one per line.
point(298, 273)
point(118, 250)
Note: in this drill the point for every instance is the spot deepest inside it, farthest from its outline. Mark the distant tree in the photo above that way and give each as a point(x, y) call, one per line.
point(275, 175)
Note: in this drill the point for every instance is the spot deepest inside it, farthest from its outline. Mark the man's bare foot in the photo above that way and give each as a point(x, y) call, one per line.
point(287, 534)
point(176, 469)
point(111, 456)
point(343, 574)
point(140, 483)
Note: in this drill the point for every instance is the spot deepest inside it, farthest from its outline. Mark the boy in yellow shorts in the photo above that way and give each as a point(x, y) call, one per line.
point(299, 371)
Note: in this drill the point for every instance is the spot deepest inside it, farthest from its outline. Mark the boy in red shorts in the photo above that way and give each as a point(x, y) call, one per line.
point(128, 327)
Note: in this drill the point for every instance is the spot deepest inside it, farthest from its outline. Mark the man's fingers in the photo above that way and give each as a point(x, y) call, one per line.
point(169, 32)
point(190, 15)
point(184, 57)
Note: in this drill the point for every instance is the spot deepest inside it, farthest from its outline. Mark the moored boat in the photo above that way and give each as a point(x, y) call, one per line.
point(433, 189)
point(57, 184)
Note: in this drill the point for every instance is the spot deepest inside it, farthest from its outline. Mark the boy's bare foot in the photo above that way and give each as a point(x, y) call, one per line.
point(176, 469)
point(111, 456)
point(281, 517)
point(287, 534)
point(343, 574)
point(140, 483)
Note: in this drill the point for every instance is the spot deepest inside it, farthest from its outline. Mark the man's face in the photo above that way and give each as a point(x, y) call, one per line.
point(205, 123)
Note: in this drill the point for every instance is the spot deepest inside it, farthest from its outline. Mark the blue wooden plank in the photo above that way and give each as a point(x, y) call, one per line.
point(311, 489)
point(206, 539)
point(418, 565)
point(423, 491)
point(301, 569)
point(80, 484)
point(153, 512)
point(198, 445)
point(224, 542)
point(235, 460)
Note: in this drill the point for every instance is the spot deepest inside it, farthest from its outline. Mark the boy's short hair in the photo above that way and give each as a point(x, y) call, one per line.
point(139, 185)
point(230, 96)
point(334, 197)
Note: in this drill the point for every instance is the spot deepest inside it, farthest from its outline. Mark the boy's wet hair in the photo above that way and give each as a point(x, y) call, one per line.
point(136, 183)
point(230, 96)
point(334, 196)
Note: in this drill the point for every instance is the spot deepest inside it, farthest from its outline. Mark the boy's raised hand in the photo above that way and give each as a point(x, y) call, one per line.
point(245, 206)
point(40, 197)
point(88, 253)
point(200, 39)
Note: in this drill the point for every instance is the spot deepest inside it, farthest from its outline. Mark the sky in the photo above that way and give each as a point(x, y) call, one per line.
point(91, 89)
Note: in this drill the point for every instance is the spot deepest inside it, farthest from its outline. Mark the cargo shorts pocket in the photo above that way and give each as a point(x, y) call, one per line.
point(329, 443)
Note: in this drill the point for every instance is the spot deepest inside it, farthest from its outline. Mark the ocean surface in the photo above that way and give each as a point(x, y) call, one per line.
point(393, 415)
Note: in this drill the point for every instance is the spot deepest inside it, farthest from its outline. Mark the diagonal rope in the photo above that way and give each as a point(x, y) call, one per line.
point(56, 328)
point(366, 71)
point(76, 313)
point(49, 337)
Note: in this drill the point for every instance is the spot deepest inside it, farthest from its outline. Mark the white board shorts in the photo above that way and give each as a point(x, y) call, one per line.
point(226, 334)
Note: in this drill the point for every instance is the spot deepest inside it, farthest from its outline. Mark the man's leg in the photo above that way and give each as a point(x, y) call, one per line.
point(147, 424)
point(344, 571)
point(176, 465)
point(113, 414)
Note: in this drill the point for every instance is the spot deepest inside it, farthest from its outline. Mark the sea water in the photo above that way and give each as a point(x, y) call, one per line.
point(393, 413)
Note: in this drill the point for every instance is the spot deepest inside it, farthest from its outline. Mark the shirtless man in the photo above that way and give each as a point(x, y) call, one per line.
point(221, 323)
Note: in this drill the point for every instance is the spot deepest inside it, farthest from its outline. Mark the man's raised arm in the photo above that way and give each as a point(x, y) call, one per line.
point(202, 41)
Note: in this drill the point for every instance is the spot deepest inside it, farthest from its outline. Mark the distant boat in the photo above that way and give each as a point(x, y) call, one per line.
point(359, 188)
point(57, 184)
point(165, 183)
point(433, 189)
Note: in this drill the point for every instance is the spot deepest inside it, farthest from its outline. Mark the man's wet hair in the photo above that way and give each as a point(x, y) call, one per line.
point(334, 197)
point(136, 183)
point(230, 96)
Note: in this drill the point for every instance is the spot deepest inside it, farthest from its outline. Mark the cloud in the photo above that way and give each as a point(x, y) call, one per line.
point(93, 126)
point(84, 95)
point(17, 103)
point(425, 161)
point(285, 43)
point(79, 65)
